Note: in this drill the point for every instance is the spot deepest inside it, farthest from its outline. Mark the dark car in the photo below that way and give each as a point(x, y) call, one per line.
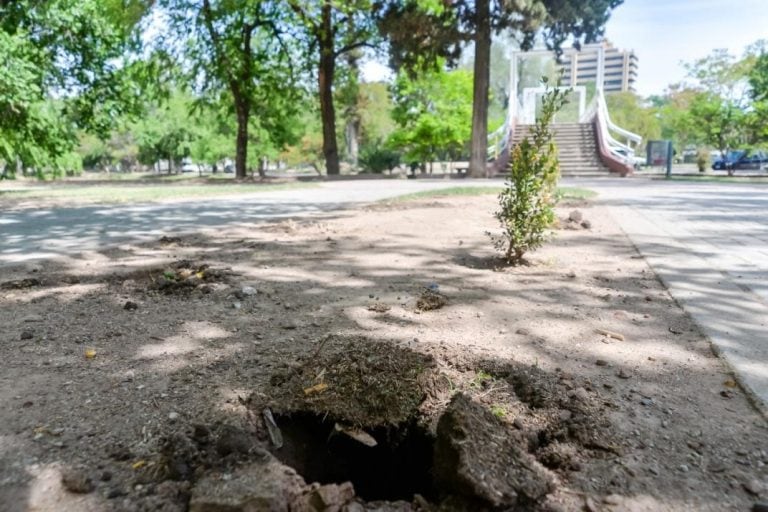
point(742, 159)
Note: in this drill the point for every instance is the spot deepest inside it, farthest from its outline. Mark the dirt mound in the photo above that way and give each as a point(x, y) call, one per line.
point(356, 381)
point(20, 284)
point(477, 457)
point(430, 299)
point(179, 278)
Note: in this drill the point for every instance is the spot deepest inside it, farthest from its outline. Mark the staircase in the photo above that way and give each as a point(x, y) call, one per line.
point(577, 148)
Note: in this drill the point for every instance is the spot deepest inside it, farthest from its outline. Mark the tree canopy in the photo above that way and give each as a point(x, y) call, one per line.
point(67, 65)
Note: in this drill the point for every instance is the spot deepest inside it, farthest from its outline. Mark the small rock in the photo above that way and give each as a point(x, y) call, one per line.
point(470, 437)
point(565, 415)
point(260, 485)
point(717, 467)
point(761, 506)
point(586, 224)
point(233, 440)
point(236, 305)
point(580, 394)
point(623, 375)
point(249, 290)
point(331, 496)
point(115, 493)
point(753, 487)
point(601, 362)
point(653, 470)
point(289, 325)
point(575, 216)
point(106, 476)
point(173, 416)
point(77, 481)
point(683, 468)
point(130, 306)
point(27, 335)
point(646, 401)
point(32, 318)
point(523, 331)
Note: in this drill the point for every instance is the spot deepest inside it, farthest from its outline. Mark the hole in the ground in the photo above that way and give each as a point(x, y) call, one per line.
point(397, 468)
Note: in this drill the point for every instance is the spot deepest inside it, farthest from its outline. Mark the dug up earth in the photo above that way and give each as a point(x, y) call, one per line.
point(374, 359)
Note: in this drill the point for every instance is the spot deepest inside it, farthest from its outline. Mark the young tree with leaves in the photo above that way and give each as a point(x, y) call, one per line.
point(433, 113)
point(239, 53)
point(332, 30)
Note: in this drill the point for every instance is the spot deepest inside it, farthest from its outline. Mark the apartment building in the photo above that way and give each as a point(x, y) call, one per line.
point(620, 67)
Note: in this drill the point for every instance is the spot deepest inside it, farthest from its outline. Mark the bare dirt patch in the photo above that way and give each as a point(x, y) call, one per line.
point(270, 366)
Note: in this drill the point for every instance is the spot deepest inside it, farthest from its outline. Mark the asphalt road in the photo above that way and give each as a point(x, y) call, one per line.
point(33, 234)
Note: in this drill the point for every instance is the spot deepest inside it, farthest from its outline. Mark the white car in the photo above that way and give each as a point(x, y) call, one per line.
point(630, 156)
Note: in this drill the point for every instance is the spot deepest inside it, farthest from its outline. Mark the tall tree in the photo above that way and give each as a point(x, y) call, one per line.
point(718, 109)
point(331, 30)
point(239, 52)
point(758, 83)
point(554, 21)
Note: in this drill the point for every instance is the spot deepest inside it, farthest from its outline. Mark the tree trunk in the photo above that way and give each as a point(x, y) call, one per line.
point(482, 78)
point(263, 163)
point(325, 84)
point(241, 148)
point(352, 133)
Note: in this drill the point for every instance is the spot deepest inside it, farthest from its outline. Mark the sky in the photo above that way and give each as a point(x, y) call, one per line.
point(666, 33)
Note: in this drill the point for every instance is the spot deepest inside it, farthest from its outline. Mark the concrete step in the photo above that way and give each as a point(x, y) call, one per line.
point(576, 146)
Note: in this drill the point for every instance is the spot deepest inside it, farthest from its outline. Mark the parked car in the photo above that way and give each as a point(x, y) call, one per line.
point(631, 157)
point(741, 159)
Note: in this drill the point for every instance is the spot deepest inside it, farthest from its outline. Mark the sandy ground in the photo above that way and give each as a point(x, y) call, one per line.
point(109, 356)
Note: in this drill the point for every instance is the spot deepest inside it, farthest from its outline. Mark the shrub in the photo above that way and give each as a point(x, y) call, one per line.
point(378, 159)
point(702, 159)
point(527, 201)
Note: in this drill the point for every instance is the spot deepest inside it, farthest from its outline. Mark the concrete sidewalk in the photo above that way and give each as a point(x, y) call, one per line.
point(724, 289)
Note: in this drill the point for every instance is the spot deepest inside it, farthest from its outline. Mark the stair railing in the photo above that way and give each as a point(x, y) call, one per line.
point(614, 154)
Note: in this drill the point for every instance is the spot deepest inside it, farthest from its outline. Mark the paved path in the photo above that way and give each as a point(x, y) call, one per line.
point(31, 234)
point(708, 242)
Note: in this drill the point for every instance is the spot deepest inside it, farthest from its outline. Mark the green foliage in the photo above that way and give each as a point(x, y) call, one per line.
point(499, 411)
point(718, 121)
point(238, 56)
point(377, 158)
point(375, 109)
point(758, 83)
point(529, 195)
point(702, 159)
point(434, 114)
point(628, 111)
point(73, 50)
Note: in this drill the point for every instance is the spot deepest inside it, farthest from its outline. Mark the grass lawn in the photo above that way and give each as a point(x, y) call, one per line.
point(140, 193)
point(562, 193)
